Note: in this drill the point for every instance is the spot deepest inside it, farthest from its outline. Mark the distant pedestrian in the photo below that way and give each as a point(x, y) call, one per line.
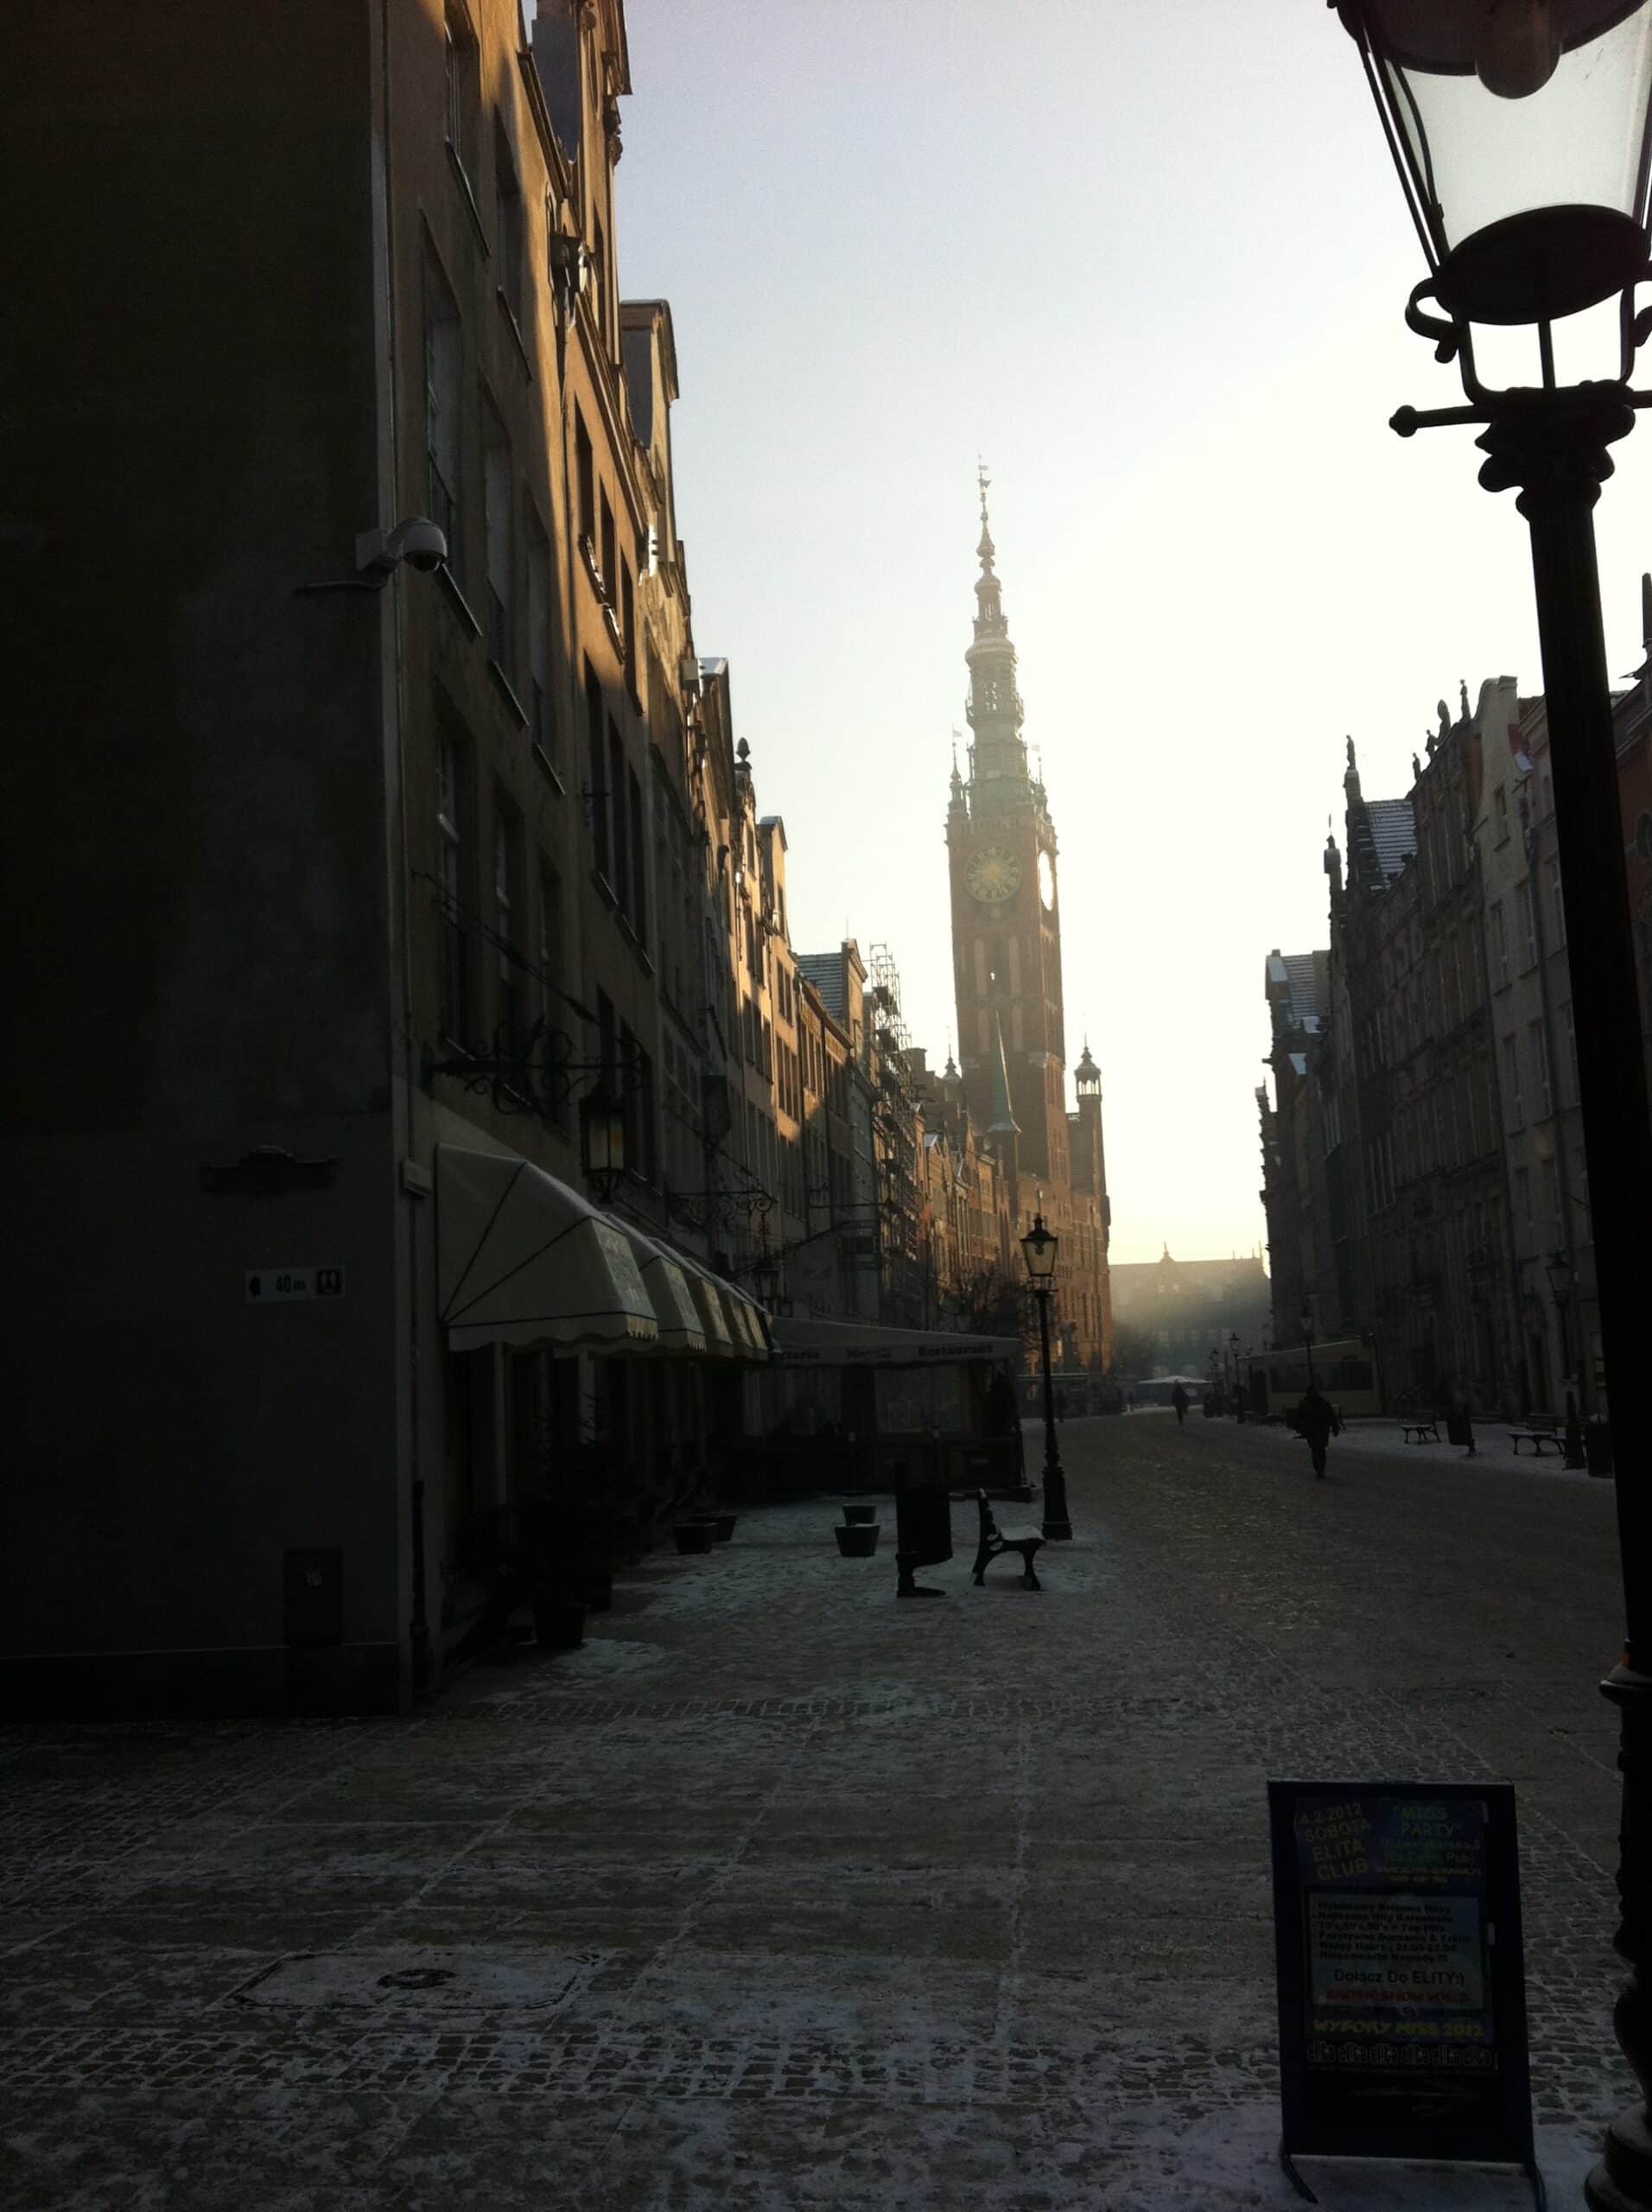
point(1179, 1398)
point(1315, 1419)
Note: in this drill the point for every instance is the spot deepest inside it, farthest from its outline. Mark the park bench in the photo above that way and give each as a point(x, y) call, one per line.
point(993, 1542)
point(1538, 1433)
point(1423, 1429)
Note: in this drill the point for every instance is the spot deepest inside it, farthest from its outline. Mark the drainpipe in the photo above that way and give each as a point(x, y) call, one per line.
point(418, 1623)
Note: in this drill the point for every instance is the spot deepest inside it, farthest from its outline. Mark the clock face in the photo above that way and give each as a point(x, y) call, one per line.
point(1047, 879)
point(992, 875)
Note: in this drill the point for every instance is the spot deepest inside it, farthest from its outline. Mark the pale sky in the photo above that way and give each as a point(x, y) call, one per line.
point(1151, 260)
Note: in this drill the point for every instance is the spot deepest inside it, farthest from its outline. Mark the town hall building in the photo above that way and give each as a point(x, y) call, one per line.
point(1006, 971)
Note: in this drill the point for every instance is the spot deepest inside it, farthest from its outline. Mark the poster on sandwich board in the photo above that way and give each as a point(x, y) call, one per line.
point(1401, 1985)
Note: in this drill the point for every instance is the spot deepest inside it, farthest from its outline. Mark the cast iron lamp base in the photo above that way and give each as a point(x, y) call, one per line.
point(1055, 1527)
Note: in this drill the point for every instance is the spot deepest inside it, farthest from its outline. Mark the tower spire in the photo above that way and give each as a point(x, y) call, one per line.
point(993, 707)
point(985, 549)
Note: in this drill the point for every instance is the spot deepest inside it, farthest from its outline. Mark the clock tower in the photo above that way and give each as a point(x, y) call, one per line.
point(1005, 904)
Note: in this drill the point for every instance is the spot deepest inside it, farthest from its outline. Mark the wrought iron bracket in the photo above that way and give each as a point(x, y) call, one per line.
point(532, 1069)
point(1547, 415)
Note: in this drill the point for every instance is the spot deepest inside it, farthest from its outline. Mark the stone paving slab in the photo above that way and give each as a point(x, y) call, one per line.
point(778, 1893)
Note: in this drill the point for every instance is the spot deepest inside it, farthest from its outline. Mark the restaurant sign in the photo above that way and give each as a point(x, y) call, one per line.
point(1402, 1992)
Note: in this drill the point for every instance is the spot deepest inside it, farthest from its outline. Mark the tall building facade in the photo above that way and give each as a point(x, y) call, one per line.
point(1424, 1173)
point(1006, 906)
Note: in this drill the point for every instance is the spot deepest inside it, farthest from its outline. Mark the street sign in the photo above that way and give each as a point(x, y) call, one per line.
point(283, 1285)
point(1401, 1985)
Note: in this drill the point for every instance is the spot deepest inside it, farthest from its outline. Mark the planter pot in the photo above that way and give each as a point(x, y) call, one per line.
point(724, 1524)
point(696, 1536)
point(860, 1516)
point(858, 1540)
point(558, 1621)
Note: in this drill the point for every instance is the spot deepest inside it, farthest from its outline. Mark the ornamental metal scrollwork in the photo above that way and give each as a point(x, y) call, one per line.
point(531, 1069)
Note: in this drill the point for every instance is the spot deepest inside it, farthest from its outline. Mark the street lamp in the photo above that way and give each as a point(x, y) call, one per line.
point(1522, 134)
point(1238, 1395)
point(1307, 1337)
point(602, 1141)
point(1039, 1245)
point(1560, 1272)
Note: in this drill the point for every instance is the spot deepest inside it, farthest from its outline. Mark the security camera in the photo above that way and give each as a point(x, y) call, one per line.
point(416, 541)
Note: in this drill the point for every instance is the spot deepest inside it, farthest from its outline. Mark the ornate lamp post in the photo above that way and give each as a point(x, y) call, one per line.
point(602, 1141)
point(1039, 1245)
point(1307, 1339)
point(1523, 136)
point(1558, 1270)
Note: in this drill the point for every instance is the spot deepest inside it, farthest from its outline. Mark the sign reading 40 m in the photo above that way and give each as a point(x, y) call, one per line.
point(1402, 2013)
point(283, 1286)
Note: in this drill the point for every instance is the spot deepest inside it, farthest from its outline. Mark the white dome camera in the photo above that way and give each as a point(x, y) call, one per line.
point(417, 541)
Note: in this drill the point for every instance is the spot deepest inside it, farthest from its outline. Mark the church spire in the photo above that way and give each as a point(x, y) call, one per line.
point(998, 758)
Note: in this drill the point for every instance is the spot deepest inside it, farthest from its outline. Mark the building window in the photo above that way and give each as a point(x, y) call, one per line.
point(1511, 1085)
point(1500, 799)
point(619, 875)
point(1539, 1073)
point(464, 88)
point(605, 1036)
point(507, 227)
point(541, 724)
point(507, 906)
point(607, 560)
point(547, 948)
point(1557, 904)
point(597, 791)
point(496, 523)
point(452, 866)
point(600, 278)
point(628, 621)
point(1523, 1199)
point(585, 478)
point(1499, 945)
point(639, 880)
point(443, 376)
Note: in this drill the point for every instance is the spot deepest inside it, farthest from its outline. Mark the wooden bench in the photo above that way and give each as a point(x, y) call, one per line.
point(1424, 1431)
point(1537, 1433)
point(993, 1542)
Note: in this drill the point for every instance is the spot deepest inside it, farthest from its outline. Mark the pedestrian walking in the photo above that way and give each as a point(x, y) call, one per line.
point(1180, 1400)
point(1315, 1419)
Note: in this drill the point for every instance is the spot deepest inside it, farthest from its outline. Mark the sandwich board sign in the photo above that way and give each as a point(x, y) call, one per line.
point(1401, 1987)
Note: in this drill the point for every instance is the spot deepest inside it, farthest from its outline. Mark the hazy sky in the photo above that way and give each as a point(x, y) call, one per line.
point(1151, 260)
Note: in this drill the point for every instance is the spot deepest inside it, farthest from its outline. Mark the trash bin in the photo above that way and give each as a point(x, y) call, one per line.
point(1598, 1447)
point(1458, 1430)
point(922, 1514)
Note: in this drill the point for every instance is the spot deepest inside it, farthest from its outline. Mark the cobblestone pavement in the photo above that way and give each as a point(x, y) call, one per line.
point(780, 1894)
